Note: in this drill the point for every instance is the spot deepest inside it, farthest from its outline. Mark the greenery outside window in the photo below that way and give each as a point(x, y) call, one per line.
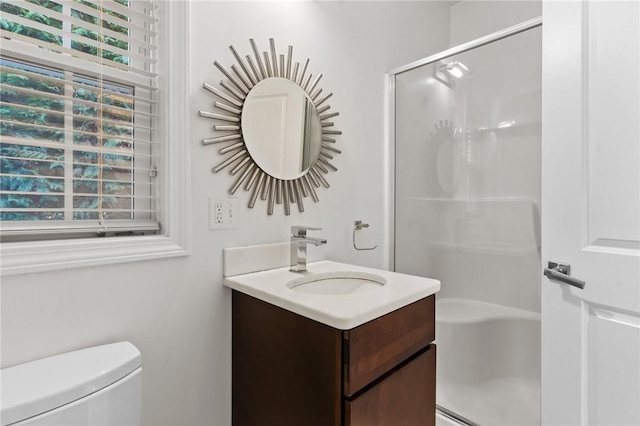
point(78, 119)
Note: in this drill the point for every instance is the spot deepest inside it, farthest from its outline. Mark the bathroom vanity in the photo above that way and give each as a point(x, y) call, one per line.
point(360, 358)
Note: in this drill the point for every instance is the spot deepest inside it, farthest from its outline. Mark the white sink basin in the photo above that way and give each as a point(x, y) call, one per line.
point(336, 283)
point(340, 295)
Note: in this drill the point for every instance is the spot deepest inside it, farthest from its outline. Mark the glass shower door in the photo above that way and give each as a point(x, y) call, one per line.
point(467, 212)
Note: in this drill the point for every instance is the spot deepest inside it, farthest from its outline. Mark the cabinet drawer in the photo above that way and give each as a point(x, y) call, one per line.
point(374, 348)
point(406, 397)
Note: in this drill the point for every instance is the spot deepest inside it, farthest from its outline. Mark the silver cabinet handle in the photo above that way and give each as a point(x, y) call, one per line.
point(560, 272)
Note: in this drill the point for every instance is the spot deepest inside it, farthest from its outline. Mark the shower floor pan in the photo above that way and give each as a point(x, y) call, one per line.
point(488, 368)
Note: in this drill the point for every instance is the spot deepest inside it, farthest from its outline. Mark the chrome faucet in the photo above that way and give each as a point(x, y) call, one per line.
point(299, 241)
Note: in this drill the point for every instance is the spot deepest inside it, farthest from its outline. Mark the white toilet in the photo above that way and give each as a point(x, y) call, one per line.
point(98, 386)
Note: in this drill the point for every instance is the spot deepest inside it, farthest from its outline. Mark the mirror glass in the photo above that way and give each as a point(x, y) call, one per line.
point(281, 128)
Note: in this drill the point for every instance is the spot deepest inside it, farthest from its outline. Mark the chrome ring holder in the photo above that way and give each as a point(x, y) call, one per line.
point(358, 225)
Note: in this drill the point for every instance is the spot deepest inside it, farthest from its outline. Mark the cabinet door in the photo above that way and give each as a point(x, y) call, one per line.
point(285, 367)
point(407, 397)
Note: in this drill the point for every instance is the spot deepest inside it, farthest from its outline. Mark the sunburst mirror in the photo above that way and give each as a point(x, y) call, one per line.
point(272, 126)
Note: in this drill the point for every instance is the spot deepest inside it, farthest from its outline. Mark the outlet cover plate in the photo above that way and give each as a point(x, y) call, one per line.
point(223, 213)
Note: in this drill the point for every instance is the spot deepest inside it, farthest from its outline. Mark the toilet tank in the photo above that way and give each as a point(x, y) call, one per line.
point(99, 386)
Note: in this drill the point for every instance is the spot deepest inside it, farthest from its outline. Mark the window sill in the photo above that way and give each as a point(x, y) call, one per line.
point(23, 258)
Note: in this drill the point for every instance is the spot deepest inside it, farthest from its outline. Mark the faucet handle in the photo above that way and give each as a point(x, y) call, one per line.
point(301, 231)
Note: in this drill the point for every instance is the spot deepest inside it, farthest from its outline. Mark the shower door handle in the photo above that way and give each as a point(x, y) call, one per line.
point(560, 272)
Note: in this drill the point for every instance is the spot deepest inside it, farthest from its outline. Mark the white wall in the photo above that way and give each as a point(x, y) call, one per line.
point(471, 19)
point(176, 310)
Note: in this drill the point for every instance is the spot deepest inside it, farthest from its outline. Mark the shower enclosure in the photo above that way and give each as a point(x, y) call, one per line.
point(467, 132)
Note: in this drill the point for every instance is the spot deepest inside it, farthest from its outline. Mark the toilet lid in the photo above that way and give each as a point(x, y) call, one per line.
point(39, 386)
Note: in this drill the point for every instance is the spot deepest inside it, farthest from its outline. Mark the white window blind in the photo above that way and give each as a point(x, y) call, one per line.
point(78, 118)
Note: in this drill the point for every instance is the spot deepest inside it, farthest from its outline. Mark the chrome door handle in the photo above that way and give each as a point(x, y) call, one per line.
point(560, 272)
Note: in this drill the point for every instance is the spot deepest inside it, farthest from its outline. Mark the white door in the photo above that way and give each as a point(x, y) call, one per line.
point(591, 212)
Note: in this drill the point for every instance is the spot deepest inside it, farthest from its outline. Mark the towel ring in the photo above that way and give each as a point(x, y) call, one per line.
point(358, 225)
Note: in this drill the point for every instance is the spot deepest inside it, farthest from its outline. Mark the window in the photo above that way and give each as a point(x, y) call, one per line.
point(102, 142)
point(78, 114)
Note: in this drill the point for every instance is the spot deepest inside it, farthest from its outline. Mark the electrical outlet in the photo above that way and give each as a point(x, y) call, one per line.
point(223, 213)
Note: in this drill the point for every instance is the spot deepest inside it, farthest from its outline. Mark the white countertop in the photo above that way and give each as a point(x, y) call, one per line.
point(344, 311)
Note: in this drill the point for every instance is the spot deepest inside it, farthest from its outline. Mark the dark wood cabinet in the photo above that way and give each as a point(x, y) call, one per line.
point(288, 370)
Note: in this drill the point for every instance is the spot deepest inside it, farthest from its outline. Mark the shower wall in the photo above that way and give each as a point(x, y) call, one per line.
point(468, 174)
point(467, 212)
